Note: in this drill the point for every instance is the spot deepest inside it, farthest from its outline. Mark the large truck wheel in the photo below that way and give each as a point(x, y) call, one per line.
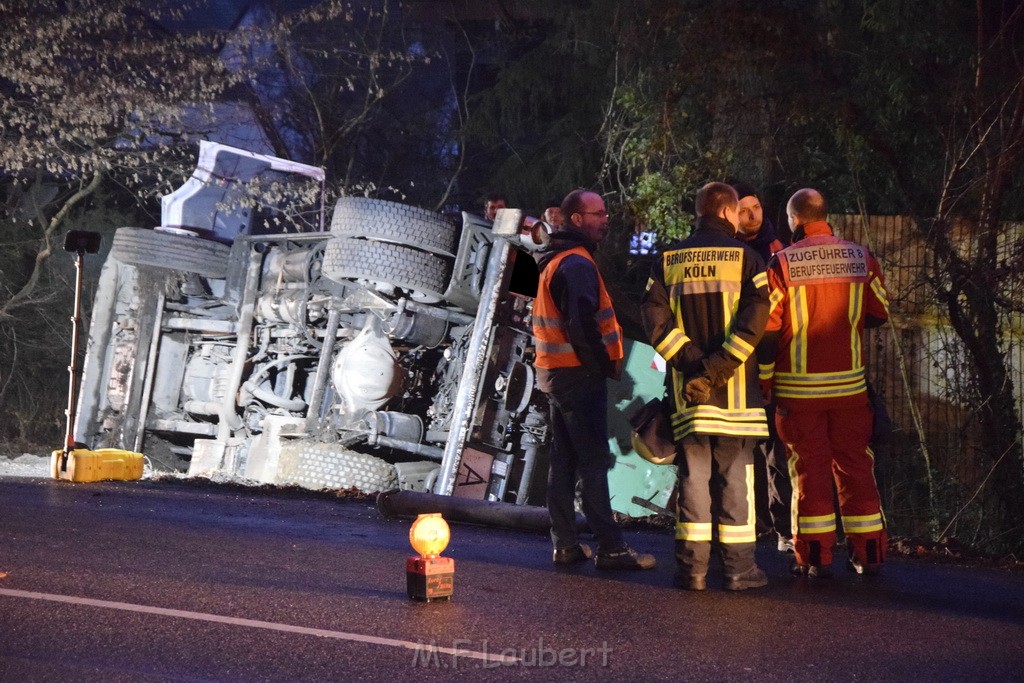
point(145, 247)
point(395, 223)
point(347, 258)
point(317, 465)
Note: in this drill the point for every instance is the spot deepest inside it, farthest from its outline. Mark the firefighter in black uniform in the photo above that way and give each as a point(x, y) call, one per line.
point(704, 311)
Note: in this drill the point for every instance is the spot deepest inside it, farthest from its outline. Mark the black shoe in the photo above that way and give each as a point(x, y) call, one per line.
point(690, 583)
point(573, 554)
point(814, 571)
point(752, 578)
point(627, 558)
point(864, 569)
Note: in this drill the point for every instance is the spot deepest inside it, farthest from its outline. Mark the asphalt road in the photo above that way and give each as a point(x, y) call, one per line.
point(178, 581)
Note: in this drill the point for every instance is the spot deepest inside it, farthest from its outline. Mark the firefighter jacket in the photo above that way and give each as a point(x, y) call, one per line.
point(575, 330)
point(704, 311)
point(824, 291)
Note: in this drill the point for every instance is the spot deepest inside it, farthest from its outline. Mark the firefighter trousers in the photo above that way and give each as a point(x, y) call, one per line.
point(716, 498)
point(826, 447)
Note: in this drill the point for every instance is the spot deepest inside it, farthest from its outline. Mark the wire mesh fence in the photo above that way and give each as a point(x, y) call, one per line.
point(920, 367)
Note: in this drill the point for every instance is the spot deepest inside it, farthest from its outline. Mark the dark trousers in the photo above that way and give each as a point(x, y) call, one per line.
point(716, 499)
point(579, 448)
point(772, 456)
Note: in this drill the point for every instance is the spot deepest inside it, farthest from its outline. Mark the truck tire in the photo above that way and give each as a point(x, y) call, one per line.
point(346, 258)
point(316, 466)
point(395, 223)
point(145, 247)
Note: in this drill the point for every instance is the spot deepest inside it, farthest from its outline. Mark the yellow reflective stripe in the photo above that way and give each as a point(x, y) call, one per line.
point(879, 289)
point(863, 524)
point(693, 531)
point(841, 377)
point(794, 499)
point(671, 344)
point(855, 311)
point(738, 347)
point(721, 428)
point(774, 298)
point(650, 283)
point(820, 384)
point(816, 524)
point(765, 370)
point(798, 319)
point(703, 287)
point(761, 280)
point(832, 391)
point(714, 412)
point(744, 533)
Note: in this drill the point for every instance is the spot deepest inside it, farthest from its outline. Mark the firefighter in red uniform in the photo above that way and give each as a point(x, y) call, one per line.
point(824, 292)
point(579, 346)
point(704, 311)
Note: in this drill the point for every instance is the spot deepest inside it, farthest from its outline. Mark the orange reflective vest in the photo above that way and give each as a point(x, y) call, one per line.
point(554, 350)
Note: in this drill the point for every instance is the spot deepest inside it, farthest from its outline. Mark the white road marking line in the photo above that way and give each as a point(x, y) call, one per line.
point(268, 625)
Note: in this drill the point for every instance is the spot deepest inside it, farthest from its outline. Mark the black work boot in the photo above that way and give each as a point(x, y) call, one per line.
point(752, 578)
point(573, 554)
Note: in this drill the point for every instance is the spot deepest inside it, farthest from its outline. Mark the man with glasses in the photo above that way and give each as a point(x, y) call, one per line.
point(579, 346)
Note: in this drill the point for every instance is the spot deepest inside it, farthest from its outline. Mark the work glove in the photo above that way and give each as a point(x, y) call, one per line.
point(718, 369)
point(697, 390)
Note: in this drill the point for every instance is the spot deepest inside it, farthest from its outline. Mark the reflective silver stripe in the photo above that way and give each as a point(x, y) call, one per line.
point(604, 314)
point(737, 533)
point(611, 337)
point(821, 377)
point(552, 348)
point(863, 523)
point(784, 390)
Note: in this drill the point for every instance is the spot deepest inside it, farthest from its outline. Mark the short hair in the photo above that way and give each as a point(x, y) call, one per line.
point(808, 204)
point(745, 190)
point(713, 197)
point(495, 197)
point(573, 202)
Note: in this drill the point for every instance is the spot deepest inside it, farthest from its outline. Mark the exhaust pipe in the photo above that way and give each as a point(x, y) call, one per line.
point(468, 510)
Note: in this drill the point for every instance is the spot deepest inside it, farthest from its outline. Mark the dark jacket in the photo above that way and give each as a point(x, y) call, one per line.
point(704, 311)
point(767, 241)
point(574, 288)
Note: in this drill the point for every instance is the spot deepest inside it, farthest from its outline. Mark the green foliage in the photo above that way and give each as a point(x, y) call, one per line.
point(655, 203)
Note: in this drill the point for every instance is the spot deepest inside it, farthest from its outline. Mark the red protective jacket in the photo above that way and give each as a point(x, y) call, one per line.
point(824, 291)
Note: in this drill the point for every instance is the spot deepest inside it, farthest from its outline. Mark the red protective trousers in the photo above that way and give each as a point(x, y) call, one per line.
point(826, 446)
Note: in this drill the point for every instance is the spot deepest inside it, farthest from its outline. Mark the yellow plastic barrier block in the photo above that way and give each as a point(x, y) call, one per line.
point(97, 465)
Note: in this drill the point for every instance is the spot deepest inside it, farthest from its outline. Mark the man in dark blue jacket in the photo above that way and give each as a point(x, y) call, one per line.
point(579, 346)
point(773, 490)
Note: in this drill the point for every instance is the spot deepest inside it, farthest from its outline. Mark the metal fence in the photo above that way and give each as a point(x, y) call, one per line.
point(918, 364)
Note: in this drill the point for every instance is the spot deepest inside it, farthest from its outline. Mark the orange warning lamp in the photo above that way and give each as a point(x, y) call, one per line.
point(429, 534)
point(429, 577)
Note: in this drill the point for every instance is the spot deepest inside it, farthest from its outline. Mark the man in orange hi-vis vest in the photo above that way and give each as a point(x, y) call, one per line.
point(824, 292)
point(579, 345)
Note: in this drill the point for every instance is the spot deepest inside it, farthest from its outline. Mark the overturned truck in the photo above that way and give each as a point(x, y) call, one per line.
point(381, 349)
